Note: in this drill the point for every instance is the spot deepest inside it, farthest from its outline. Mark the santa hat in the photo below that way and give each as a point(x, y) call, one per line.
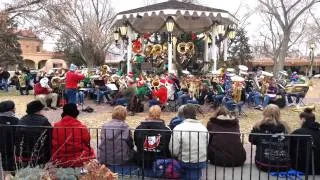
point(162, 82)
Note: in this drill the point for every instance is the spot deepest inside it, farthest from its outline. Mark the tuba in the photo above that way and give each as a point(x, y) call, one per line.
point(190, 48)
point(157, 49)
point(182, 48)
point(148, 50)
point(156, 83)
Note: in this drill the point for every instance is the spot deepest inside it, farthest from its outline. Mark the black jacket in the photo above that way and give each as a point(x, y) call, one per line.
point(225, 149)
point(7, 141)
point(299, 147)
point(34, 143)
point(272, 149)
point(151, 144)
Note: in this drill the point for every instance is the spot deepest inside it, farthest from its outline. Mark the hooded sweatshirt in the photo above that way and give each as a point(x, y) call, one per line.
point(298, 155)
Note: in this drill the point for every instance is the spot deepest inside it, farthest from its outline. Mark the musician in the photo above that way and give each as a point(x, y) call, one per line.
point(217, 92)
point(269, 94)
point(43, 92)
point(102, 91)
point(72, 80)
point(294, 77)
point(160, 96)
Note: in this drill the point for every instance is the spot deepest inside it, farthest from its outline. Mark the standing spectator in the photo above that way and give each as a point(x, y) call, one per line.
point(272, 148)
point(4, 76)
point(8, 119)
point(72, 80)
point(71, 140)
point(43, 92)
point(225, 146)
point(116, 147)
point(189, 144)
point(299, 145)
point(33, 138)
point(152, 138)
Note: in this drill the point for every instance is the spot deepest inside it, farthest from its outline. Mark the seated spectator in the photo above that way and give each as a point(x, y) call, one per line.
point(225, 149)
point(71, 140)
point(33, 140)
point(152, 138)
point(7, 118)
point(299, 145)
point(189, 144)
point(178, 119)
point(116, 147)
point(43, 92)
point(272, 149)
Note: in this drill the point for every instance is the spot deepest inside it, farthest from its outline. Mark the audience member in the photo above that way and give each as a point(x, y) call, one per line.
point(299, 145)
point(272, 151)
point(189, 144)
point(116, 147)
point(33, 138)
point(7, 120)
point(71, 140)
point(225, 146)
point(152, 138)
point(178, 119)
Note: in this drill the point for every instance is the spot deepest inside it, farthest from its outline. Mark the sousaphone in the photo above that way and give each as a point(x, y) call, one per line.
point(182, 48)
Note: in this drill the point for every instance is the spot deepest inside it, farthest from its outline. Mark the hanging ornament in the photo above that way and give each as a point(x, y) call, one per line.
point(137, 46)
point(146, 36)
point(193, 36)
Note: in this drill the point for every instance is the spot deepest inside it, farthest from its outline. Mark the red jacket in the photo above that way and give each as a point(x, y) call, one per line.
point(162, 94)
point(38, 89)
point(72, 79)
point(71, 143)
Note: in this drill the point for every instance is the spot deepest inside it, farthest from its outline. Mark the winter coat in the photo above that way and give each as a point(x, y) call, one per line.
point(38, 89)
point(175, 121)
point(71, 143)
point(116, 145)
point(225, 149)
point(189, 141)
point(272, 149)
point(33, 143)
point(7, 140)
point(299, 154)
point(162, 94)
point(151, 144)
point(72, 79)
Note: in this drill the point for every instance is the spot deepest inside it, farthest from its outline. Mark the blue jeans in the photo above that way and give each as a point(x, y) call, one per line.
point(217, 99)
point(192, 171)
point(266, 101)
point(4, 84)
point(252, 97)
point(122, 102)
point(153, 102)
point(183, 99)
point(192, 101)
point(297, 96)
point(71, 96)
point(257, 99)
point(80, 97)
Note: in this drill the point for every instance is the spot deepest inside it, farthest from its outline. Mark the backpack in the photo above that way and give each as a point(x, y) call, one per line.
point(167, 168)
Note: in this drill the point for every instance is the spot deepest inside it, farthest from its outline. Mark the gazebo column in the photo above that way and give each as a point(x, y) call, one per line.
point(206, 55)
point(225, 49)
point(170, 50)
point(214, 49)
point(129, 50)
point(174, 53)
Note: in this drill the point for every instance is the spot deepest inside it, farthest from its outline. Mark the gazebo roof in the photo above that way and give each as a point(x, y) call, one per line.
point(173, 4)
point(187, 16)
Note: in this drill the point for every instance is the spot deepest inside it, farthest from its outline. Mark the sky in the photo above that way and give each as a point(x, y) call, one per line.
point(229, 5)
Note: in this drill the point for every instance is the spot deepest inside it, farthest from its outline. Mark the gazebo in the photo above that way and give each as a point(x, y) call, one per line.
point(175, 18)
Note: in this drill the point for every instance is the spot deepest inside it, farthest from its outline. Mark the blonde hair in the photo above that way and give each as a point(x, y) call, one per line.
point(155, 112)
point(271, 115)
point(120, 113)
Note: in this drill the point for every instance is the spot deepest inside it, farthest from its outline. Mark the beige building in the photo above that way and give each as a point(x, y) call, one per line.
point(32, 51)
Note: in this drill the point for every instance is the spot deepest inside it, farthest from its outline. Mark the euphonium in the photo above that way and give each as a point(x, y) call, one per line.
point(301, 108)
point(181, 48)
point(190, 48)
point(148, 50)
point(157, 49)
point(236, 92)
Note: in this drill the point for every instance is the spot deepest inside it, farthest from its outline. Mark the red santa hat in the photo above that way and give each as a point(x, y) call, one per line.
point(162, 82)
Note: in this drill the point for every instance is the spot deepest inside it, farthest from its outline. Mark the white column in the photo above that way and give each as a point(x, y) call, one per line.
point(206, 55)
point(225, 49)
point(214, 49)
point(174, 53)
point(129, 50)
point(170, 69)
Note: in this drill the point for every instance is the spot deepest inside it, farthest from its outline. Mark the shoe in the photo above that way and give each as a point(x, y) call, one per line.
point(53, 108)
point(291, 105)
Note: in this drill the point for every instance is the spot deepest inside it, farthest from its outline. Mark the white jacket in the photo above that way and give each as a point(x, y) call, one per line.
point(189, 141)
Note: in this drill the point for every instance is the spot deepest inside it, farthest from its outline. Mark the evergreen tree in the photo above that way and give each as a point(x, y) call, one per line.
point(239, 50)
point(10, 50)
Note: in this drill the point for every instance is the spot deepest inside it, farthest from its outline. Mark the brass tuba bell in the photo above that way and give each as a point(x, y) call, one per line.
point(157, 49)
point(190, 48)
point(155, 83)
point(148, 50)
point(182, 48)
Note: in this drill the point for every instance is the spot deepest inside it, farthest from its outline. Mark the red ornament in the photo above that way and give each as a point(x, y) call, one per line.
point(137, 46)
point(147, 36)
point(193, 36)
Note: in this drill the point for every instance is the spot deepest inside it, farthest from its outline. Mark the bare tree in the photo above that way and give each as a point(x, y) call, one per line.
point(282, 19)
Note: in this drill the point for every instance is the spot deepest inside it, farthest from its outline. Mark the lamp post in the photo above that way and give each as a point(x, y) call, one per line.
point(116, 36)
point(312, 46)
point(170, 26)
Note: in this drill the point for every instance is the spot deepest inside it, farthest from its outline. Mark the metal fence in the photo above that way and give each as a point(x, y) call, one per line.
point(154, 153)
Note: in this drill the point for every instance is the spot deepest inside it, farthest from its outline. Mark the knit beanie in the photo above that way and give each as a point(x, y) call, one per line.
point(70, 110)
point(6, 106)
point(34, 106)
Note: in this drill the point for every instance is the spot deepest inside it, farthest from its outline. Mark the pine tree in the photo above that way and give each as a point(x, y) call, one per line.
point(10, 50)
point(239, 50)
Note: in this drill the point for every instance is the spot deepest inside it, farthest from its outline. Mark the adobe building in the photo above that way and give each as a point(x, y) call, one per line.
point(33, 54)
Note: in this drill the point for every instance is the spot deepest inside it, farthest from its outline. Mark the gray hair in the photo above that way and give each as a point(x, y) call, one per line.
point(180, 112)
